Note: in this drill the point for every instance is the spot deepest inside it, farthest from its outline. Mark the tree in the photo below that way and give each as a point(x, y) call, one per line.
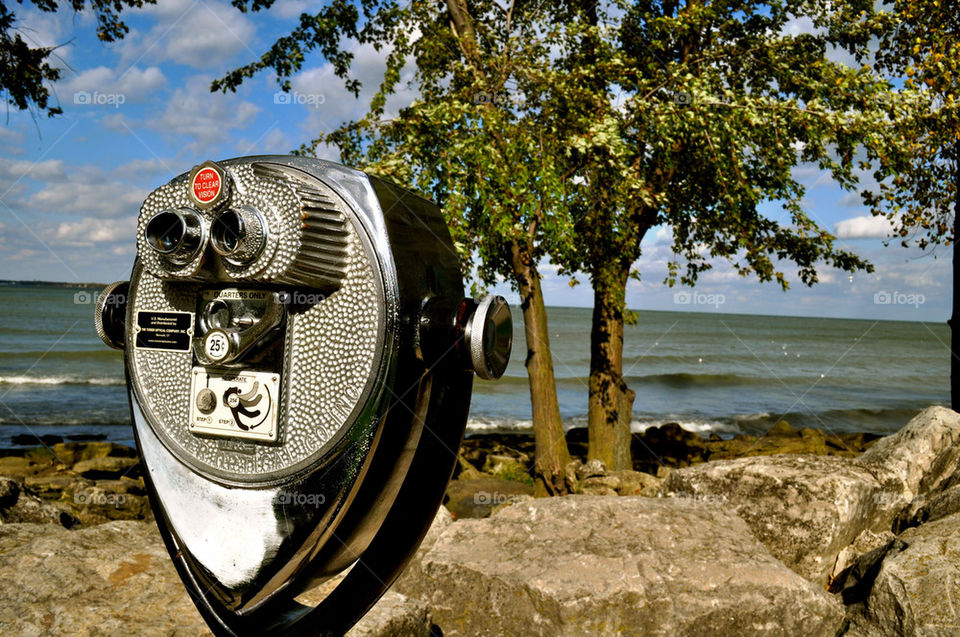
point(688, 114)
point(479, 139)
point(25, 70)
point(703, 113)
point(917, 162)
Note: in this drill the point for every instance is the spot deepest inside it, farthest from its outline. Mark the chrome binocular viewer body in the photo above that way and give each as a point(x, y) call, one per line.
point(299, 355)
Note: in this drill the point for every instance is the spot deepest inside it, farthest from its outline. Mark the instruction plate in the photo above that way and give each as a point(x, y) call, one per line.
point(234, 404)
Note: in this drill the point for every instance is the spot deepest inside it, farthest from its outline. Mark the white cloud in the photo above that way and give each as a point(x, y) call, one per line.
point(864, 227)
point(205, 118)
point(273, 141)
point(100, 198)
point(91, 230)
point(134, 84)
point(199, 34)
point(18, 169)
point(11, 137)
point(333, 104)
point(293, 8)
point(850, 200)
point(799, 26)
point(50, 30)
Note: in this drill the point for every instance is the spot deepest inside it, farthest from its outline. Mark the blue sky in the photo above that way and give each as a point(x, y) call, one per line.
point(139, 112)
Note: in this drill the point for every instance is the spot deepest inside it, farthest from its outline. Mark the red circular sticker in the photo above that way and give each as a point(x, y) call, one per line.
point(206, 185)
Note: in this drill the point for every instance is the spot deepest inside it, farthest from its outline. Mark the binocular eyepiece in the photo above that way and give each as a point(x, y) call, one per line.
point(239, 234)
point(300, 356)
point(177, 235)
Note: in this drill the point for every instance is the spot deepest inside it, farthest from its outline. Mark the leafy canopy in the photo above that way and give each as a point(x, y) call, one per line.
point(575, 127)
point(26, 71)
point(917, 161)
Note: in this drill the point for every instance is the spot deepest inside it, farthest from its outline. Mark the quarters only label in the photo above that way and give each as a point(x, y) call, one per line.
point(169, 331)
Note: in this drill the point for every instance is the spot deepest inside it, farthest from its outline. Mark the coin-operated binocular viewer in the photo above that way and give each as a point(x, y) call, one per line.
point(299, 356)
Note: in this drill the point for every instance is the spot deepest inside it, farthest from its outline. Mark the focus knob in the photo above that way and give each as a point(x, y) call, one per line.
point(489, 337)
point(110, 314)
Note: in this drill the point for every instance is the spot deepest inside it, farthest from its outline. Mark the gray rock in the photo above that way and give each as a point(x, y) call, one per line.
point(117, 579)
point(53, 486)
point(506, 467)
point(107, 467)
point(17, 467)
point(9, 492)
point(920, 457)
point(395, 615)
point(599, 485)
point(917, 589)
point(20, 506)
point(849, 568)
point(582, 565)
point(591, 469)
point(476, 498)
point(637, 483)
point(805, 509)
point(929, 507)
point(112, 579)
point(441, 522)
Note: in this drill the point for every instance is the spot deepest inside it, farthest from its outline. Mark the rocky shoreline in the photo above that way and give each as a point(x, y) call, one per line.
point(796, 532)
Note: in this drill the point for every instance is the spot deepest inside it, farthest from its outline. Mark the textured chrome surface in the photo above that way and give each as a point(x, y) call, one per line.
point(323, 254)
point(365, 430)
point(335, 344)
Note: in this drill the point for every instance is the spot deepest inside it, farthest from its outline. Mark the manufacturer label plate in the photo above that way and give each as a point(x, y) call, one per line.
point(169, 331)
point(234, 404)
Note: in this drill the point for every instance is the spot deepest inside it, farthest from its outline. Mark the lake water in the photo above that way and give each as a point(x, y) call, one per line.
point(709, 372)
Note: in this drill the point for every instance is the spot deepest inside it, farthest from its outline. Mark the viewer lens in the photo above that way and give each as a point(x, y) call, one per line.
point(226, 231)
point(165, 231)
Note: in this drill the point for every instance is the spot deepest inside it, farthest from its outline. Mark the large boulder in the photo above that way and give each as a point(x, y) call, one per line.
point(803, 508)
point(917, 588)
point(583, 565)
point(117, 579)
point(922, 456)
point(111, 579)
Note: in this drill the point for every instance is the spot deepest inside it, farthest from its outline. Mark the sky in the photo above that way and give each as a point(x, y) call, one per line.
point(139, 112)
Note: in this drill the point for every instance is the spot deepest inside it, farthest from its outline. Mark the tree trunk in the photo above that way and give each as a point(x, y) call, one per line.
point(552, 455)
point(611, 402)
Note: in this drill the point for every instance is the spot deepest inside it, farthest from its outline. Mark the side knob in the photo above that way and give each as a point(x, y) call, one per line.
point(489, 337)
point(110, 314)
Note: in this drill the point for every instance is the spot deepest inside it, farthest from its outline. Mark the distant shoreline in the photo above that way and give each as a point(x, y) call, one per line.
point(64, 284)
